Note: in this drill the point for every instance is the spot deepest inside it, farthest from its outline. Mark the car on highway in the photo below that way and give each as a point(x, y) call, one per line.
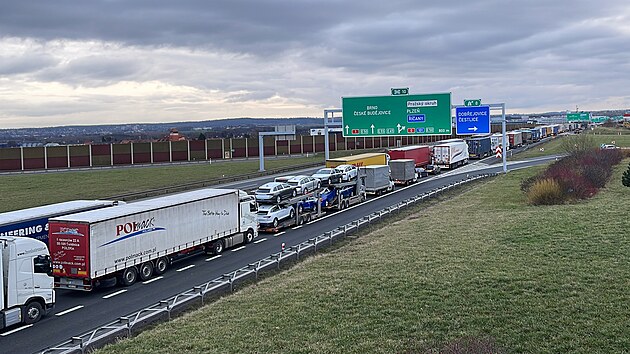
point(327, 196)
point(328, 176)
point(283, 179)
point(608, 146)
point(272, 215)
point(305, 184)
point(433, 169)
point(349, 172)
point(421, 172)
point(274, 192)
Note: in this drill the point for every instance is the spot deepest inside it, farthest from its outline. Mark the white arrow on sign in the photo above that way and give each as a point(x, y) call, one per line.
point(473, 128)
point(400, 128)
point(372, 126)
point(347, 127)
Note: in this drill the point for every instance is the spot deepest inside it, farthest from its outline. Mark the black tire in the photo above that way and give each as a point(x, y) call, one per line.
point(300, 209)
point(329, 181)
point(294, 193)
point(32, 312)
point(146, 271)
point(129, 276)
point(278, 199)
point(160, 266)
point(305, 191)
point(217, 247)
point(291, 214)
point(249, 236)
point(319, 184)
point(308, 218)
point(275, 222)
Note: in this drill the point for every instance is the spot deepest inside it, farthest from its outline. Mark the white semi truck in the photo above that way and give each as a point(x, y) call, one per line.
point(450, 153)
point(27, 283)
point(141, 239)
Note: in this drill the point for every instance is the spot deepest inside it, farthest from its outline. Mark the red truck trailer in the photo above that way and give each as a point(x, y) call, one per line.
point(420, 153)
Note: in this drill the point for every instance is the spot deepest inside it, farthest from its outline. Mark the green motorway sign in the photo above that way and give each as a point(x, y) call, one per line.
point(400, 91)
point(405, 115)
point(472, 103)
point(578, 116)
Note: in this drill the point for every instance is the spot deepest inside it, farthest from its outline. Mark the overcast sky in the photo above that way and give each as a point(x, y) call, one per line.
point(95, 62)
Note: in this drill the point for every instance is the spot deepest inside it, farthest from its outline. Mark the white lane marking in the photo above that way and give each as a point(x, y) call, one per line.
point(185, 268)
point(238, 249)
point(212, 258)
point(261, 240)
point(279, 233)
point(295, 228)
point(114, 294)
point(152, 280)
point(15, 330)
point(69, 310)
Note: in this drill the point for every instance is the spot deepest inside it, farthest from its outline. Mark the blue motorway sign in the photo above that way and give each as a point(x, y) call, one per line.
point(472, 120)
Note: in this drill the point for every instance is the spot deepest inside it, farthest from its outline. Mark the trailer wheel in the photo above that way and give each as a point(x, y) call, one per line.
point(146, 271)
point(217, 247)
point(32, 312)
point(291, 214)
point(347, 204)
point(300, 209)
point(308, 218)
point(160, 266)
point(129, 276)
point(249, 236)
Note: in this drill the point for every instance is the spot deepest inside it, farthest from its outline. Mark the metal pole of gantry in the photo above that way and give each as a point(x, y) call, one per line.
point(261, 142)
point(329, 114)
point(504, 145)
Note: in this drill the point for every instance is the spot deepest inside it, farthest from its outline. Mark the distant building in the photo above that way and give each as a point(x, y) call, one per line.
point(174, 135)
point(320, 131)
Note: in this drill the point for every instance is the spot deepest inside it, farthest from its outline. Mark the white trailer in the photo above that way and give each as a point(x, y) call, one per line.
point(140, 239)
point(33, 222)
point(26, 283)
point(450, 153)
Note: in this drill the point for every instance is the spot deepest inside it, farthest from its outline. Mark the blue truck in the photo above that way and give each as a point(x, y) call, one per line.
point(479, 147)
point(33, 222)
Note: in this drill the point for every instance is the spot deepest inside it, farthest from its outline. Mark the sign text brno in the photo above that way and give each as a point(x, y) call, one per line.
point(427, 114)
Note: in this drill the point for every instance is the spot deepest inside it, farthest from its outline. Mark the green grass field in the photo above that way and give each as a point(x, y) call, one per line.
point(554, 146)
point(481, 267)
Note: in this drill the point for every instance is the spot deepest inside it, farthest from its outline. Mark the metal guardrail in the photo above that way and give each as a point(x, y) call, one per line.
point(201, 184)
point(126, 326)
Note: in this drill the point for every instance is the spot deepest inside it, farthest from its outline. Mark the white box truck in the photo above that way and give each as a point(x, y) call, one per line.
point(140, 239)
point(27, 283)
point(450, 153)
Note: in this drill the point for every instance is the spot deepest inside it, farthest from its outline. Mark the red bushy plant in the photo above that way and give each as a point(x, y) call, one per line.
point(579, 175)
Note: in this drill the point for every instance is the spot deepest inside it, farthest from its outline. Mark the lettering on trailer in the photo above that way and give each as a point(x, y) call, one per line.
point(37, 229)
point(133, 229)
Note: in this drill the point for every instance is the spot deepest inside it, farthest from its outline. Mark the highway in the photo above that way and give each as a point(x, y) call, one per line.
point(77, 312)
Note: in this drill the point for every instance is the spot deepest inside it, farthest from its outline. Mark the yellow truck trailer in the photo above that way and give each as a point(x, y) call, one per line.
point(367, 159)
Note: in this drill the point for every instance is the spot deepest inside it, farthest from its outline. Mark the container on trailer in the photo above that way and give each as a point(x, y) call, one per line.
point(403, 171)
point(450, 153)
point(421, 154)
point(367, 159)
point(377, 178)
point(33, 222)
point(142, 238)
point(479, 147)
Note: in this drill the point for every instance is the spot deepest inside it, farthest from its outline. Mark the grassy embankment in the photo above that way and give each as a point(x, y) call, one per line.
point(554, 146)
point(28, 190)
point(483, 266)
